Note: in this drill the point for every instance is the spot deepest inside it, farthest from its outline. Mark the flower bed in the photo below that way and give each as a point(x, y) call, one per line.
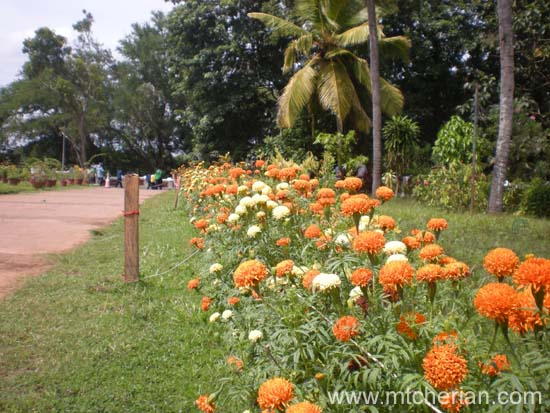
point(316, 294)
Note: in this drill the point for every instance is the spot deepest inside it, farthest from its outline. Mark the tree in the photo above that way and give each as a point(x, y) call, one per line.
point(506, 108)
point(328, 70)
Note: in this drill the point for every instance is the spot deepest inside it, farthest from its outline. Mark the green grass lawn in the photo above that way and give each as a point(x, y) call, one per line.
point(80, 340)
point(26, 186)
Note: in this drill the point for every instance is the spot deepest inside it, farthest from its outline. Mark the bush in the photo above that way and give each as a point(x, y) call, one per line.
point(536, 199)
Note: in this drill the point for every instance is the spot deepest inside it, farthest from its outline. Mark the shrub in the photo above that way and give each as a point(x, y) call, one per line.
point(536, 199)
point(454, 142)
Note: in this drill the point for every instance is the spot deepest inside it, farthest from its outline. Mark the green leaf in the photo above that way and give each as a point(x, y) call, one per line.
point(296, 95)
point(281, 27)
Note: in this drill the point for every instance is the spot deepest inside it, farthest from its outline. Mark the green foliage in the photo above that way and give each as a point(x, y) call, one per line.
point(454, 142)
point(401, 135)
point(448, 187)
point(536, 199)
point(291, 143)
point(340, 146)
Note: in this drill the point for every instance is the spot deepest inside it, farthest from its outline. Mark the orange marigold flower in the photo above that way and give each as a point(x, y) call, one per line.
point(361, 277)
point(437, 224)
point(259, 163)
point(302, 185)
point(313, 231)
point(501, 262)
point(453, 401)
point(316, 208)
point(283, 242)
point(345, 328)
point(408, 323)
point(339, 184)
point(394, 274)
point(308, 277)
point(386, 222)
point(322, 242)
point(200, 223)
point(205, 303)
point(304, 407)
point(325, 193)
point(431, 252)
point(456, 271)
point(534, 272)
point(193, 284)
point(275, 393)
point(430, 273)
point(524, 316)
point(495, 301)
point(496, 365)
point(353, 184)
point(412, 243)
point(443, 368)
point(384, 193)
point(222, 217)
point(284, 268)
point(233, 300)
point(371, 242)
point(288, 174)
point(282, 194)
point(446, 259)
point(356, 204)
point(232, 189)
point(197, 242)
point(204, 404)
point(450, 337)
point(249, 273)
point(237, 362)
point(235, 173)
point(273, 172)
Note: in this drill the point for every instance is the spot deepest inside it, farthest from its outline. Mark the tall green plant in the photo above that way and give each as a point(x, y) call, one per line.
point(400, 143)
point(454, 142)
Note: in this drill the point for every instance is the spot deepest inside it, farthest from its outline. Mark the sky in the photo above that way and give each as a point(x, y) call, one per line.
point(20, 18)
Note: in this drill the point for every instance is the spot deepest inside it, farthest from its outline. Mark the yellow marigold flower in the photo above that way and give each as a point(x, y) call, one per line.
point(345, 328)
point(394, 274)
point(284, 268)
point(443, 368)
point(431, 252)
point(407, 324)
point(495, 301)
point(430, 273)
point(384, 193)
point(371, 242)
point(437, 224)
point(204, 404)
point(496, 365)
point(275, 393)
point(501, 262)
point(249, 273)
point(304, 407)
point(361, 277)
point(534, 272)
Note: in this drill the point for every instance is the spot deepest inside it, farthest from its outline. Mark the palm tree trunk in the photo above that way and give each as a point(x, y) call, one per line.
point(506, 106)
point(376, 99)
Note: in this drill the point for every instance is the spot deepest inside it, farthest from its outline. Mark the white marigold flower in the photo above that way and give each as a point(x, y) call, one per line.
point(258, 186)
point(255, 335)
point(240, 209)
point(271, 204)
point(214, 268)
point(242, 189)
point(214, 317)
point(379, 231)
point(253, 230)
point(280, 212)
point(298, 271)
point(324, 281)
point(233, 218)
point(213, 228)
point(193, 219)
point(343, 240)
point(328, 232)
point(355, 293)
point(247, 202)
point(227, 314)
point(283, 186)
point(260, 215)
point(267, 190)
point(395, 247)
point(396, 257)
point(364, 223)
point(261, 199)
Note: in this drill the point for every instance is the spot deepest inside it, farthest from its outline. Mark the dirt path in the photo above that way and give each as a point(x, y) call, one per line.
point(35, 224)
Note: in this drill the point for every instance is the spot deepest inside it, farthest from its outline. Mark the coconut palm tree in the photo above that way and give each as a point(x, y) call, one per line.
point(326, 67)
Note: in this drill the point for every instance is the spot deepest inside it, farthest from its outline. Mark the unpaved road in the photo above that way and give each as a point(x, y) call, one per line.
point(34, 224)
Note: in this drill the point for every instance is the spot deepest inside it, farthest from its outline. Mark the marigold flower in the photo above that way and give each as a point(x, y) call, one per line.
point(316, 208)
point(524, 316)
point(496, 365)
point(259, 163)
point(313, 231)
point(288, 174)
point(237, 362)
point(249, 273)
point(456, 271)
point(345, 328)
point(412, 243)
point(445, 337)
point(235, 173)
point(283, 242)
point(193, 284)
point(339, 184)
point(325, 193)
point(384, 193)
point(200, 224)
point(275, 393)
point(386, 223)
point(284, 268)
point(501, 262)
point(437, 224)
point(308, 277)
point(534, 272)
point(323, 282)
point(371, 242)
point(495, 301)
point(304, 407)
point(356, 204)
point(453, 401)
point(361, 277)
point(395, 274)
point(353, 184)
point(204, 404)
point(430, 273)
point(205, 303)
point(443, 368)
point(197, 242)
point(280, 212)
point(431, 252)
point(302, 186)
point(407, 324)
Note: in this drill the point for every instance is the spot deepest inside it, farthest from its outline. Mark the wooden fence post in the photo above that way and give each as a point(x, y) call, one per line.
point(131, 228)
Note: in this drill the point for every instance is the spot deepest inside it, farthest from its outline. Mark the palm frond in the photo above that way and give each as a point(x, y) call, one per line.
point(361, 72)
point(395, 47)
point(355, 35)
point(299, 46)
point(296, 95)
point(392, 98)
point(280, 27)
point(308, 11)
point(335, 88)
point(290, 58)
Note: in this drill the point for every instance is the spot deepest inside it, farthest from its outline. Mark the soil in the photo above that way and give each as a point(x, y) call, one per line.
point(33, 225)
